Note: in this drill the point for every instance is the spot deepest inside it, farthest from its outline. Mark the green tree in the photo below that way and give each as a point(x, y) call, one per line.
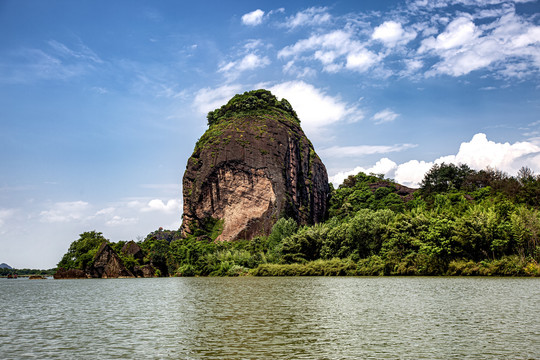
point(81, 252)
point(445, 177)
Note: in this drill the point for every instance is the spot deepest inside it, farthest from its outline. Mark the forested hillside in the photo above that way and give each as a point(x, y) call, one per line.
point(460, 222)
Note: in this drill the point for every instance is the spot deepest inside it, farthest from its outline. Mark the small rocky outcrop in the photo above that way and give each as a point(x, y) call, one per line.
point(146, 271)
point(62, 273)
point(404, 192)
point(107, 264)
point(252, 166)
point(36, 277)
point(131, 248)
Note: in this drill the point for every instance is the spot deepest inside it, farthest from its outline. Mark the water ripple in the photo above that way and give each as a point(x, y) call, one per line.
point(277, 318)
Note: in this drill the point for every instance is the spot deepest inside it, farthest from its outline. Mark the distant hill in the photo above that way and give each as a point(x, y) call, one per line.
point(5, 266)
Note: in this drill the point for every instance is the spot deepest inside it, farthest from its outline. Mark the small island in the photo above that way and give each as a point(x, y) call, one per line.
point(257, 202)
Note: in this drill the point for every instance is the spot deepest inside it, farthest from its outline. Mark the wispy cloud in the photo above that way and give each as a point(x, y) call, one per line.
point(57, 61)
point(384, 116)
point(251, 61)
point(312, 16)
point(208, 99)
point(361, 150)
point(65, 212)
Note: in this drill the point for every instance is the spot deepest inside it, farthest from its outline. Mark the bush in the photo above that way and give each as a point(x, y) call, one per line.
point(333, 267)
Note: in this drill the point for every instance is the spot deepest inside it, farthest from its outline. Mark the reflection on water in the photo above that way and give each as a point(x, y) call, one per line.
point(280, 318)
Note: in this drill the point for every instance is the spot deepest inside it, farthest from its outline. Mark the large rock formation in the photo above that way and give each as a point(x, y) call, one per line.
point(107, 264)
point(252, 166)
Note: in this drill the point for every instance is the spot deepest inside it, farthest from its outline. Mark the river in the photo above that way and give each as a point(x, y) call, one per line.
point(271, 318)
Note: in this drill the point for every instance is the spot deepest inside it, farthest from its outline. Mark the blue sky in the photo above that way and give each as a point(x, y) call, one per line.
point(101, 102)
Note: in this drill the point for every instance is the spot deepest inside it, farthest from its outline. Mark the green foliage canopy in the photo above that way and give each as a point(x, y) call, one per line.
point(82, 251)
point(251, 102)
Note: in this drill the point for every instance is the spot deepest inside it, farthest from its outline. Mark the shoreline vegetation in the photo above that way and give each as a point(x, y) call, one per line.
point(461, 222)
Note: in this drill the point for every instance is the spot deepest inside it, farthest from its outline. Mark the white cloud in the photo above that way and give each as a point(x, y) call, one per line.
point(335, 50)
point(105, 211)
point(83, 52)
point(384, 166)
point(391, 33)
point(313, 16)
point(209, 99)
point(510, 45)
point(65, 212)
point(314, 107)
point(458, 33)
point(361, 60)
point(248, 62)
point(384, 116)
point(479, 153)
point(118, 220)
point(253, 18)
point(300, 72)
point(361, 150)
point(172, 205)
point(5, 214)
point(412, 172)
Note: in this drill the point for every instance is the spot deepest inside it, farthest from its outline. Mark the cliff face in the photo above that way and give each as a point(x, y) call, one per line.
point(253, 165)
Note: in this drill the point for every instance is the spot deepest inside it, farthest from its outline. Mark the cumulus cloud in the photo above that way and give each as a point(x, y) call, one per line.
point(208, 99)
point(313, 16)
point(172, 205)
point(253, 18)
point(391, 33)
point(412, 172)
point(314, 107)
point(384, 116)
point(478, 153)
point(384, 166)
point(361, 60)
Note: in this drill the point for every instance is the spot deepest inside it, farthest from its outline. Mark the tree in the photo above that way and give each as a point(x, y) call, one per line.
point(81, 252)
point(445, 177)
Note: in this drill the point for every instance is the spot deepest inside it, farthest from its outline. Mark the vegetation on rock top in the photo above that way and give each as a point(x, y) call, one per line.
point(252, 103)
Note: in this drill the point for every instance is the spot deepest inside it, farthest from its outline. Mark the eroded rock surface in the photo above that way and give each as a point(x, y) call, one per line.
point(251, 168)
point(107, 264)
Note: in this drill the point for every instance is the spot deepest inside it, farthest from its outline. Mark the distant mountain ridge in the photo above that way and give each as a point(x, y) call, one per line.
point(5, 266)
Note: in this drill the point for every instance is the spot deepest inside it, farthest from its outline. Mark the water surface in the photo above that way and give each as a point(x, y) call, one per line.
point(279, 318)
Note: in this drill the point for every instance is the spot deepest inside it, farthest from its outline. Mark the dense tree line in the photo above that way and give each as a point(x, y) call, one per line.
point(460, 222)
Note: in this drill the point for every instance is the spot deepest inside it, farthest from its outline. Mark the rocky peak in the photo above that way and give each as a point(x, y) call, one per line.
point(107, 264)
point(252, 166)
point(133, 249)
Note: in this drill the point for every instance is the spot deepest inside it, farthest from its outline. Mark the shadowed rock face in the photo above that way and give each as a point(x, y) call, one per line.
point(107, 264)
point(133, 249)
point(251, 168)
